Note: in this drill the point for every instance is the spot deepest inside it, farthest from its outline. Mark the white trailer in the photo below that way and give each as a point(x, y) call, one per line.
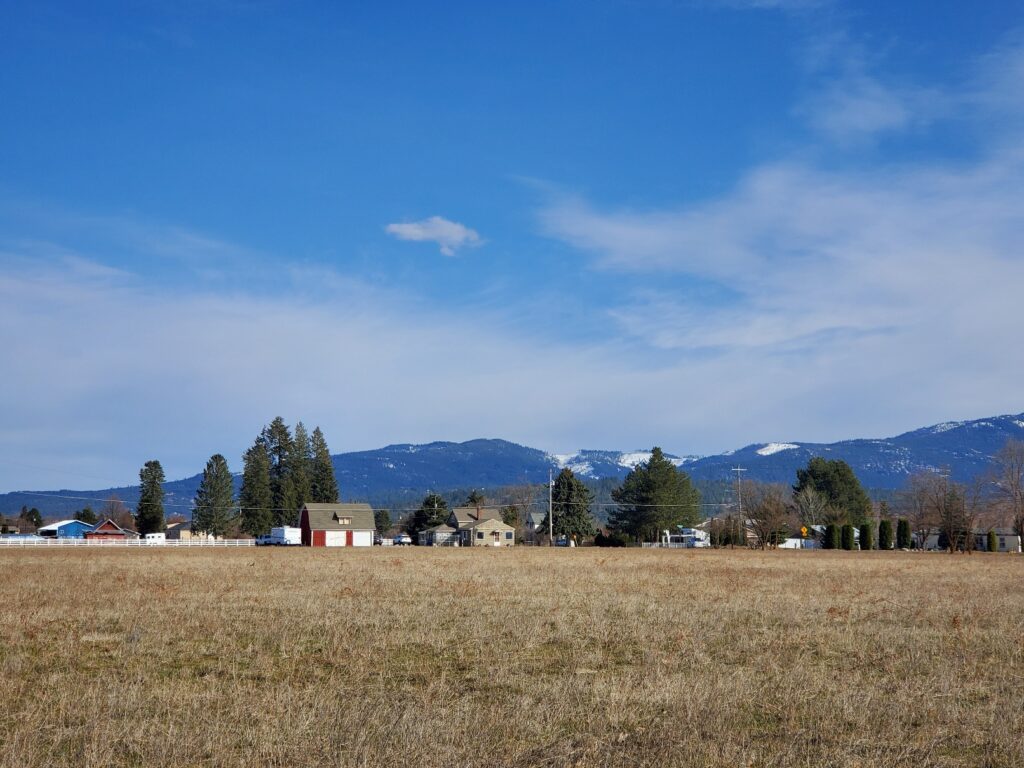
point(282, 536)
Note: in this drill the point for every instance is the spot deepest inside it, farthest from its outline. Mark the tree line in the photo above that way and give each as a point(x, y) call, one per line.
point(931, 504)
point(282, 470)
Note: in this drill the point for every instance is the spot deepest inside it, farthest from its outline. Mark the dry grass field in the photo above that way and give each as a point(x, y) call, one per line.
point(418, 657)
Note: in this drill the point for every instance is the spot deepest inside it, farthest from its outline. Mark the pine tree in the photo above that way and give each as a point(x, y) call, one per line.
point(831, 537)
point(993, 541)
point(86, 515)
point(655, 496)
point(300, 465)
point(885, 534)
point(255, 497)
point(149, 512)
point(475, 499)
point(903, 536)
point(571, 501)
point(432, 512)
point(836, 481)
point(381, 520)
point(278, 440)
point(866, 538)
point(847, 537)
point(213, 506)
point(324, 486)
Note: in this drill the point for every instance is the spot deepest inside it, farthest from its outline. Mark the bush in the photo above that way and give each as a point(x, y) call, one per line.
point(885, 534)
point(831, 536)
point(993, 542)
point(866, 539)
point(611, 540)
point(848, 537)
point(903, 538)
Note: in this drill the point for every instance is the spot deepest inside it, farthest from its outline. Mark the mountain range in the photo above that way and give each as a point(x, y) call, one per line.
point(407, 471)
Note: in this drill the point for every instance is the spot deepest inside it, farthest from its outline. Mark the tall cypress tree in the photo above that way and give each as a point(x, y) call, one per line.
point(149, 513)
point(278, 440)
point(255, 497)
point(570, 502)
point(300, 465)
point(214, 501)
point(323, 485)
point(655, 496)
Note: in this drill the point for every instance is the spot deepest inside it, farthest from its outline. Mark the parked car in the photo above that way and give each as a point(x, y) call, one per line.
point(403, 540)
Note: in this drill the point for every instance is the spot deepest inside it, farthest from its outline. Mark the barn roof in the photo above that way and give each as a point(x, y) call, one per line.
point(333, 517)
point(62, 523)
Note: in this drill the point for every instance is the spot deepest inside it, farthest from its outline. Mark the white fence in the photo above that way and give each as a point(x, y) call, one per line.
point(19, 542)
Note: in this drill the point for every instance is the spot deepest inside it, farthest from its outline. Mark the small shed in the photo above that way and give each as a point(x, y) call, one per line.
point(337, 525)
point(110, 531)
point(65, 529)
point(442, 535)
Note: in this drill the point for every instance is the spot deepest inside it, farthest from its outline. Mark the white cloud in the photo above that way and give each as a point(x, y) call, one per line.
point(449, 235)
point(874, 294)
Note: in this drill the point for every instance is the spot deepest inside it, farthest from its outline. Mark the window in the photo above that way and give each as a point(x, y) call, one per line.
point(344, 520)
point(508, 534)
point(479, 534)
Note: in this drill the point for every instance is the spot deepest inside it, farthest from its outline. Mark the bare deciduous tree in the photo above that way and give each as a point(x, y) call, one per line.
point(768, 512)
point(811, 507)
point(1009, 482)
point(117, 511)
point(913, 504)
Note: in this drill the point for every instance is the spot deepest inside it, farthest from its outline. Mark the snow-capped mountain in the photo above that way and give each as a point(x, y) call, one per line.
point(966, 447)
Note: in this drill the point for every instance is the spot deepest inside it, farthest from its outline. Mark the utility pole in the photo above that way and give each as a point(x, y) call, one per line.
point(739, 504)
point(551, 512)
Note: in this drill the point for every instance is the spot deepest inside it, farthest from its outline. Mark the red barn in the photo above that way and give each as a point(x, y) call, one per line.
point(111, 531)
point(337, 525)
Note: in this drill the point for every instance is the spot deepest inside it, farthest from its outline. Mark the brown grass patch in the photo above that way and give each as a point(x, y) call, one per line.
point(510, 657)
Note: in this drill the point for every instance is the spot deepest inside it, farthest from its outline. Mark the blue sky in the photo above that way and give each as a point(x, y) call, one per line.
point(568, 224)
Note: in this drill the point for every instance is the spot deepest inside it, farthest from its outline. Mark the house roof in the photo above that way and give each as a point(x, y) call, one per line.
point(469, 516)
point(109, 526)
point(328, 517)
point(536, 517)
point(442, 528)
point(490, 524)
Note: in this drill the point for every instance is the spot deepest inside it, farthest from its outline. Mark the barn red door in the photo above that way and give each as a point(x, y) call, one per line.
point(348, 538)
point(319, 538)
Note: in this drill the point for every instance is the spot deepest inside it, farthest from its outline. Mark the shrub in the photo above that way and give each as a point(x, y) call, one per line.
point(885, 534)
point(848, 537)
point(611, 540)
point(831, 536)
point(866, 539)
point(993, 542)
point(903, 537)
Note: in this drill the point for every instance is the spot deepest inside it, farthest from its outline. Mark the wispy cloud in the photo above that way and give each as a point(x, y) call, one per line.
point(449, 235)
point(899, 275)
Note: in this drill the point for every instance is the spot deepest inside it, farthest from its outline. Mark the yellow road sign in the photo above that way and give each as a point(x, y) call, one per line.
point(803, 531)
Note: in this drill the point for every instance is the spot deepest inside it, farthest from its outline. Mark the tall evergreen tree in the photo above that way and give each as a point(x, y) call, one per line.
point(323, 485)
point(381, 520)
point(255, 497)
point(836, 481)
point(300, 465)
point(149, 512)
point(86, 515)
point(433, 511)
point(570, 502)
point(903, 535)
point(213, 506)
point(654, 497)
point(475, 499)
point(280, 450)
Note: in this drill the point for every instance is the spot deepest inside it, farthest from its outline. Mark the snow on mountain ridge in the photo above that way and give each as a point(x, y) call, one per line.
point(771, 448)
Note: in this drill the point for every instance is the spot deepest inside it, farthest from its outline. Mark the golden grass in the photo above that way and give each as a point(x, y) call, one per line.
point(510, 657)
